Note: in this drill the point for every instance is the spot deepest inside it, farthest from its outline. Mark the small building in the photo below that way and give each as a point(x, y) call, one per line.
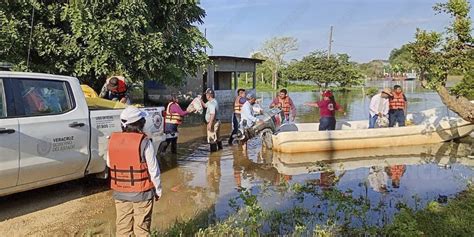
point(221, 75)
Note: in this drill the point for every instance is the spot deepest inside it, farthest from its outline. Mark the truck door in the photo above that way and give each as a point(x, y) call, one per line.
point(9, 143)
point(54, 134)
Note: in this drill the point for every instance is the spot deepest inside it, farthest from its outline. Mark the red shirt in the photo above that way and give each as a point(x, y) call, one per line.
point(175, 108)
point(327, 108)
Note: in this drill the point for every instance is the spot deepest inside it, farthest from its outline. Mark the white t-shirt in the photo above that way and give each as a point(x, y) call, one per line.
point(212, 108)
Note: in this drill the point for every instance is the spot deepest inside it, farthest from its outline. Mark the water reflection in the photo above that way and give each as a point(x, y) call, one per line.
point(383, 177)
point(442, 154)
point(199, 184)
point(411, 176)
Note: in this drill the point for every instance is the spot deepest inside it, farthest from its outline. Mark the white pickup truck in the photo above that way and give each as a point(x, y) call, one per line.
point(48, 134)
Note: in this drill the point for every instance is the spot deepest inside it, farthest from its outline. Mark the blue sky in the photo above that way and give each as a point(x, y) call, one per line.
point(365, 29)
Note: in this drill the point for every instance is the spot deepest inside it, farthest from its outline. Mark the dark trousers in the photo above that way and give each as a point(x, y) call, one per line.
point(235, 126)
point(327, 123)
point(170, 141)
point(396, 116)
point(170, 129)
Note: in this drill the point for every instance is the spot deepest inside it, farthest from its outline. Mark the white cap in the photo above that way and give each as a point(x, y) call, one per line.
point(132, 114)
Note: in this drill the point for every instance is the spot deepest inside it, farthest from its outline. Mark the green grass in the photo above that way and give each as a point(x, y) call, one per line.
point(454, 219)
point(186, 228)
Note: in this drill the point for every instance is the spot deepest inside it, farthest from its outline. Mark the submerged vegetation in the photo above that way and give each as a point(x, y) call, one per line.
point(455, 218)
point(333, 213)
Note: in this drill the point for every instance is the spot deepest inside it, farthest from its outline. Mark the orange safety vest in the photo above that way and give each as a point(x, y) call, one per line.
point(128, 171)
point(397, 102)
point(397, 171)
point(237, 105)
point(173, 118)
point(121, 87)
point(285, 105)
point(238, 178)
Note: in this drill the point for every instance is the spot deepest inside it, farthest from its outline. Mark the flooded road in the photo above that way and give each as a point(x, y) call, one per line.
point(197, 184)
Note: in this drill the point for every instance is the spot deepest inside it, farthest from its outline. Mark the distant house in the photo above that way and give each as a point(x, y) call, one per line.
point(221, 75)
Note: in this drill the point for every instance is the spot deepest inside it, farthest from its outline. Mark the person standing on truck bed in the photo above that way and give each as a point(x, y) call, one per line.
point(134, 174)
point(115, 88)
point(173, 118)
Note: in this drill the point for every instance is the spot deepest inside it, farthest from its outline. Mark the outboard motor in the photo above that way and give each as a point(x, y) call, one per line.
point(271, 122)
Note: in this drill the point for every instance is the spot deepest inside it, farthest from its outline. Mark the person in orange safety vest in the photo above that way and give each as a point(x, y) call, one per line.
point(173, 118)
point(284, 102)
point(239, 101)
point(398, 107)
point(395, 172)
point(134, 174)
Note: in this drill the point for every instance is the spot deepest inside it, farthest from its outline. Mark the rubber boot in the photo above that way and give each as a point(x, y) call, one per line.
point(174, 145)
point(213, 147)
point(219, 145)
point(162, 148)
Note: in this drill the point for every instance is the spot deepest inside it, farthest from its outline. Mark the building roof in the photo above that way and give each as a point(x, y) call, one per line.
point(254, 60)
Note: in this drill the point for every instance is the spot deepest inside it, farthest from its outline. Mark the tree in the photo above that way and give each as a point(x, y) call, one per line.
point(400, 59)
point(347, 73)
point(263, 69)
point(373, 69)
point(436, 54)
point(316, 67)
point(152, 39)
point(275, 50)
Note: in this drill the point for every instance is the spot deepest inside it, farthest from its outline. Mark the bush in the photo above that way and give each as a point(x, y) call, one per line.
point(371, 91)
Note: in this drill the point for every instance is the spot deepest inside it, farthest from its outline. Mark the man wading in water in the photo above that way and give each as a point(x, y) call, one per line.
point(213, 124)
point(239, 101)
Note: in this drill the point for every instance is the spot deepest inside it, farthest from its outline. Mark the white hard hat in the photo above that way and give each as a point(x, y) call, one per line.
point(131, 114)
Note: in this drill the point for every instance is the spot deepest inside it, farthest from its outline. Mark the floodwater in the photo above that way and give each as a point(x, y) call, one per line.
point(355, 103)
point(197, 183)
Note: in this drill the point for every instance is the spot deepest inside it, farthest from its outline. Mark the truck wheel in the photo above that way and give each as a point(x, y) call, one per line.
point(103, 175)
point(267, 139)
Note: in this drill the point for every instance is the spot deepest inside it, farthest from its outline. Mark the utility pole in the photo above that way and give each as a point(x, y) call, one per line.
point(31, 36)
point(330, 43)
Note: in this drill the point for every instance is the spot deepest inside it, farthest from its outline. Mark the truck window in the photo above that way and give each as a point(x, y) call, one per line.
point(3, 107)
point(44, 97)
